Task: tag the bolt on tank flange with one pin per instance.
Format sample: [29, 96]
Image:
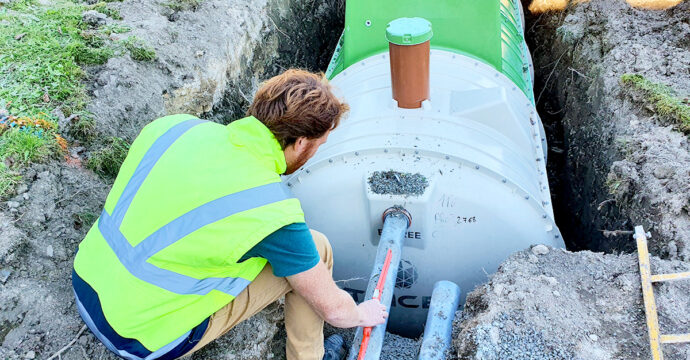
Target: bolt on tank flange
[397, 209]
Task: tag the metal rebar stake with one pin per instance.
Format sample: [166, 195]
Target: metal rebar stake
[395, 224]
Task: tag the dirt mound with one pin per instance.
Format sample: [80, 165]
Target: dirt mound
[618, 158]
[208, 60]
[564, 305]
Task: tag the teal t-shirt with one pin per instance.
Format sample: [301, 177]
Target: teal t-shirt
[290, 250]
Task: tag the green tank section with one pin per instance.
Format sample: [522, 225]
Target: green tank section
[487, 30]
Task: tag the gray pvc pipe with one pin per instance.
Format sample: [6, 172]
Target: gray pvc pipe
[439, 322]
[392, 236]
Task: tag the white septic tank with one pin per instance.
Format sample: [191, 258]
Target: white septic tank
[480, 146]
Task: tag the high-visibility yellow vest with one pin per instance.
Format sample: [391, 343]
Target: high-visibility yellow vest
[191, 198]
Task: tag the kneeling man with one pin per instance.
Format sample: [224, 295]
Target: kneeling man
[198, 234]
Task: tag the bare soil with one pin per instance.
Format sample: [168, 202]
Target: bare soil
[613, 162]
[208, 63]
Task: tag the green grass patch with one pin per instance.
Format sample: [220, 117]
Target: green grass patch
[107, 160]
[139, 50]
[661, 98]
[84, 128]
[87, 55]
[8, 179]
[41, 50]
[102, 7]
[114, 29]
[183, 5]
[24, 147]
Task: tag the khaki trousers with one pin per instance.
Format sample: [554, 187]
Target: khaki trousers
[303, 326]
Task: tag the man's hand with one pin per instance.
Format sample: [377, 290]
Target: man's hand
[371, 313]
[334, 305]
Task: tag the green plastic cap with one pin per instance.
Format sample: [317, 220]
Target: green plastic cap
[409, 31]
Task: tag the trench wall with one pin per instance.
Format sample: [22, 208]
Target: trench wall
[615, 161]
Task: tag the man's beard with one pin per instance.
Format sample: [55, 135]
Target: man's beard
[302, 159]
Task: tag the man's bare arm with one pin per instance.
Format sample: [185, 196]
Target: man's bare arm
[334, 305]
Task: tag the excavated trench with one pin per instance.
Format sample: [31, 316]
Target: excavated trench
[595, 134]
[614, 160]
[304, 36]
[582, 144]
[575, 186]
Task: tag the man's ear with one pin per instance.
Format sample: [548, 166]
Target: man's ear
[301, 144]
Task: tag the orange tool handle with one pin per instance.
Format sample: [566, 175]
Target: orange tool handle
[366, 332]
[365, 343]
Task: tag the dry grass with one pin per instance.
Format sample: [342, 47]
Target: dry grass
[654, 4]
[540, 6]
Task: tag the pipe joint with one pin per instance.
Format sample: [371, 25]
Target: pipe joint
[397, 210]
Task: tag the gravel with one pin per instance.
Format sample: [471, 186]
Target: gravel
[509, 338]
[394, 347]
[570, 305]
[397, 183]
[399, 348]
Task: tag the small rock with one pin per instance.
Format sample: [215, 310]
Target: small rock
[49, 251]
[25, 196]
[199, 53]
[663, 172]
[103, 79]
[548, 280]
[4, 275]
[22, 189]
[30, 355]
[556, 293]
[495, 335]
[13, 204]
[533, 259]
[93, 18]
[540, 250]
[593, 337]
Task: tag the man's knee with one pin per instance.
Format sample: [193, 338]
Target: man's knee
[324, 248]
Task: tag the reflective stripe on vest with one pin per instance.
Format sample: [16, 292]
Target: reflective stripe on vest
[134, 258]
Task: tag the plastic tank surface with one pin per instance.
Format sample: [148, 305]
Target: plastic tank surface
[477, 141]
